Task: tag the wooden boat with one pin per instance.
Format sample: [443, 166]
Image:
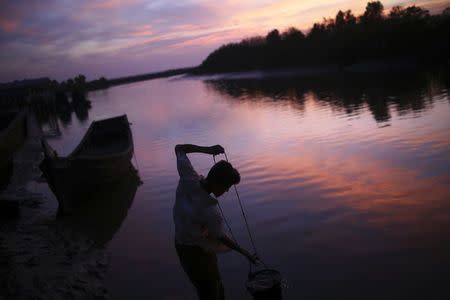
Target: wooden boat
[101, 158]
[103, 210]
[13, 132]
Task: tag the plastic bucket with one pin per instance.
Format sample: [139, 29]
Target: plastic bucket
[264, 284]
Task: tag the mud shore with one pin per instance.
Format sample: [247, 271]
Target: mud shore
[40, 256]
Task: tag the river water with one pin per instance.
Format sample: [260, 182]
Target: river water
[345, 181]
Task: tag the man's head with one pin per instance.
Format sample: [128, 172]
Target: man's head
[221, 177]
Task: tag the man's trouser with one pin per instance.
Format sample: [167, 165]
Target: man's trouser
[202, 269]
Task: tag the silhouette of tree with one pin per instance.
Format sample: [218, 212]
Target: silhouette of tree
[340, 19]
[273, 37]
[408, 34]
[349, 18]
[79, 89]
[412, 12]
[318, 30]
[373, 13]
[396, 12]
[292, 35]
[80, 80]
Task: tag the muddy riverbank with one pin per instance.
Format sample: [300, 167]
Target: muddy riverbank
[41, 257]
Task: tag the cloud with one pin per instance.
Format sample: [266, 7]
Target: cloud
[8, 25]
[107, 4]
[157, 5]
[144, 30]
[44, 31]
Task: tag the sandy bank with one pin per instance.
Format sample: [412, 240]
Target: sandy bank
[40, 257]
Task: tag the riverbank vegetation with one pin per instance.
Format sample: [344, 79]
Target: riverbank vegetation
[406, 35]
[20, 93]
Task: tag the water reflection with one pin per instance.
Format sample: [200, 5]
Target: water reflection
[102, 211]
[406, 93]
[49, 113]
[353, 199]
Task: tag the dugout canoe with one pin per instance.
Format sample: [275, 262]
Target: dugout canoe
[101, 158]
[13, 132]
[103, 210]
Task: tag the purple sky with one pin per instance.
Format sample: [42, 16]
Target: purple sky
[111, 38]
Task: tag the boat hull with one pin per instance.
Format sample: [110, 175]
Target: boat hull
[74, 178]
[12, 138]
[103, 210]
[73, 185]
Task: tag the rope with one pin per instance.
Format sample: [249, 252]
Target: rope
[226, 222]
[246, 223]
[223, 215]
[243, 214]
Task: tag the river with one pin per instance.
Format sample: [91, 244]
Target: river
[345, 181]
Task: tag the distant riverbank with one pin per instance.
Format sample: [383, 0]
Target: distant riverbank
[20, 93]
[140, 77]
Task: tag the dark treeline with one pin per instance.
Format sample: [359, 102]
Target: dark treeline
[22, 93]
[78, 87]
[404, 34]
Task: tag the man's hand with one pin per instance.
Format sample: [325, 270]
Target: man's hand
[216, 150]
[253, 258]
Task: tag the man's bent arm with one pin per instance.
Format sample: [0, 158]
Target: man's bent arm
[190, 148]
[233, 245]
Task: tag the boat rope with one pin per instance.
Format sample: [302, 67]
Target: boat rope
[136, 162]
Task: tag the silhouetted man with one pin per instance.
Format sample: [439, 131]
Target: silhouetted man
[199, 233]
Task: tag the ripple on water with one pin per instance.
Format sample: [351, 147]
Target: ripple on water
[321, 173]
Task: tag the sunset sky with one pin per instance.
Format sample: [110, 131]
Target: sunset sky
[112, 38]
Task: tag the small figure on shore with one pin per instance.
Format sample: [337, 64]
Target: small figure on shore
[199, 232]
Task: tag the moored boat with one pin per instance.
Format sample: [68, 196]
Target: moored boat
[103, 210]
[102, 157]
[13, 132]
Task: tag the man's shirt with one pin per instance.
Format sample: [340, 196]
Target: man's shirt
[195, 212]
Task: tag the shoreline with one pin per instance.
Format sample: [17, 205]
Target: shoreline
[40, 256]
[362, 68]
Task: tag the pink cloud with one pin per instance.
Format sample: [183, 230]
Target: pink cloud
[9, 25]
[109, 4]
[142, 31]
[186, 27]
[213, 39]
[128, 28]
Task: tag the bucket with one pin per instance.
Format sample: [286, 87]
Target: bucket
[264, 284]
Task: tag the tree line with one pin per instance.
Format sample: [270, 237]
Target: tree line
[404, 33]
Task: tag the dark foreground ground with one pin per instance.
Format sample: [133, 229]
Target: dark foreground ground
[40, 257]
